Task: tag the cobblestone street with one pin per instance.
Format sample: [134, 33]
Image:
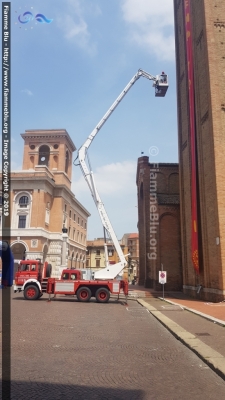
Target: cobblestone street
[71, 350]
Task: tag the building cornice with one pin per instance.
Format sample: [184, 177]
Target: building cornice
[168, 199]
[163, 165]
[41, 232]
[48, 134]
[35, 233]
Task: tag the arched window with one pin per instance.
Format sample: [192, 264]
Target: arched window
[44, 153]
[23, 201]
[21, 210]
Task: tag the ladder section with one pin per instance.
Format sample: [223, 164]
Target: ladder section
[44, 284]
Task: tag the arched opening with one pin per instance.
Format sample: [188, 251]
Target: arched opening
[19, 253]
[76, 261]
[80, 261]
[72, 257]
[44, 153]
[170, 250]
[84, 260]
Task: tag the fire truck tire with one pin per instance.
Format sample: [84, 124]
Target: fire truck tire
[83, 294]
[31, 292]
[48, 271]
[102, 295]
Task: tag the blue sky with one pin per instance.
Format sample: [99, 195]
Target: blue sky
[66, 74]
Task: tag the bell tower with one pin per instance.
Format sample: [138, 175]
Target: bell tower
[51, 151]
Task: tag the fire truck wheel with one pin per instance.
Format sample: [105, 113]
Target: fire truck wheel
[102, 295]
[31, 292]
[48, 271]
[83, 294]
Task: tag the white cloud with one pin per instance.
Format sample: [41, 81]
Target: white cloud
[111, 180]
[74, 26]
[151, 25]
[27, 91]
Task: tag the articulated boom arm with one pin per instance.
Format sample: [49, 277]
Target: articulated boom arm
[160, 82]
[83, 149]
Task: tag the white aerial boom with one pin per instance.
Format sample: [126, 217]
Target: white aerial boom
[160, 82]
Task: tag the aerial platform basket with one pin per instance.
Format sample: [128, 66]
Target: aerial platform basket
[161, 85]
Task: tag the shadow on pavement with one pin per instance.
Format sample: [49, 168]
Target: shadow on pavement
[53, 391]
[71, 299]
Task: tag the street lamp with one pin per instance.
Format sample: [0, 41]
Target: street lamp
[64, 238]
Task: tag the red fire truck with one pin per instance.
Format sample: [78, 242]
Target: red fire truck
[33, 279]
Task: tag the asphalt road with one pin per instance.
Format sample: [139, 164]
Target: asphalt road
[70, 350]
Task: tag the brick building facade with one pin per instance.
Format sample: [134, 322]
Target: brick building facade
[42, 203]
[159, 224]
[207, 20]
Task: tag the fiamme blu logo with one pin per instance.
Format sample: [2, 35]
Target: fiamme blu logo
[29, 18]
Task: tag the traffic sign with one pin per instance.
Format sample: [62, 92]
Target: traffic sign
[162, 277]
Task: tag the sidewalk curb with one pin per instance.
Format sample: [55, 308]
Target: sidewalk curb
[206, 316]
[211, 357]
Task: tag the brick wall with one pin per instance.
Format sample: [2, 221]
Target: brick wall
[208, 40]
[143, 186]
[159, 224]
